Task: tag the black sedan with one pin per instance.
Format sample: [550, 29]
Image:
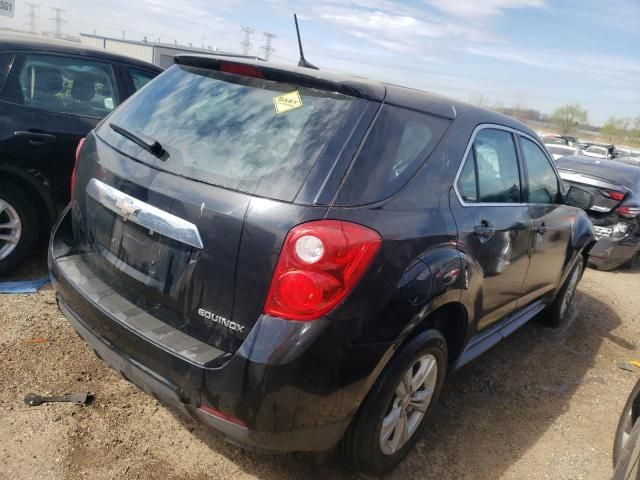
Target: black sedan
[51, 95]
[616, 211]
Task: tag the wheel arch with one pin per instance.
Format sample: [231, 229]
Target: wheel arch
[451, 320]
[43, 201]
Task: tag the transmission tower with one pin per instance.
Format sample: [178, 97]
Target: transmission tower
[267, 48]
[58, 21]
[246, 43]
[32, 25]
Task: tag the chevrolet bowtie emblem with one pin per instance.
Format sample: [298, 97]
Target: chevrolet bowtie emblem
[126, 207]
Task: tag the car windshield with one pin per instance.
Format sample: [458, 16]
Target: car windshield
[243, 133]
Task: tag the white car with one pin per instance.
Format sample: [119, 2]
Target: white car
[559, 151]
[597, 151]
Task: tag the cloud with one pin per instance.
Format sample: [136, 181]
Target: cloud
[610, 65]
[481, 8]
[395, 31]
[585, 72]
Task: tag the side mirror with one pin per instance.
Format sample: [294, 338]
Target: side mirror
[579, 197]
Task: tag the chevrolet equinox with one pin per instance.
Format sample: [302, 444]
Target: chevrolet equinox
[298, 258]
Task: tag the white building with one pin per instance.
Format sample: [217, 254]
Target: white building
[160, 54]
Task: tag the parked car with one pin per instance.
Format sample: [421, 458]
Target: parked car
[626, 447]
[296, 257]
[52, 94]
[600, 151]
[559, 151]
[552, 139]
[616, 211]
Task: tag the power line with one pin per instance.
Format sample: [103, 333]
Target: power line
[58, 21]
[32, 24]
[246, 43]
[267, 48]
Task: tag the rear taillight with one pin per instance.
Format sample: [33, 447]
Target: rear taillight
[75, 166]
[614, 195]
[319, 264]
[628, 211]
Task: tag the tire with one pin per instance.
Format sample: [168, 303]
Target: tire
[15, 210]
[633, 261]
[362, 445]
[625, 424]
[555, 314]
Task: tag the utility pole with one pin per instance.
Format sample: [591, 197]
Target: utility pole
[267, 48]
[58, 21]
[32, 25]
[246, 43]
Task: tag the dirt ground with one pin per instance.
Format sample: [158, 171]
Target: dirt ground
[541, 405]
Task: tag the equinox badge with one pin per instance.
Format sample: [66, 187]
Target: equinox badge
[221, 320]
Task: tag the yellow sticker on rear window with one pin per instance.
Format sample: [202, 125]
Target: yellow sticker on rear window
[287, 102]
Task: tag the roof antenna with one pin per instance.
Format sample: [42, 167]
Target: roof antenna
[303, 61]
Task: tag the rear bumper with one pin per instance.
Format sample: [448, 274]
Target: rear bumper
[608, 253]
[284, 384]
[167, 392]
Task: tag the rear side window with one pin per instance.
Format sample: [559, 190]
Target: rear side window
[543, 182]
[141, 77]
[490, 173]
[398, 143]
[243, 133]
[65, 85]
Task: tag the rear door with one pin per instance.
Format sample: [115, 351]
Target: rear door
[49, 102]
[552, 220]
[493, 220]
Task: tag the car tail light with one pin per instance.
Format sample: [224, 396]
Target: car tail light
[628, 211]
[75, 166]
[319, 264]
[614, 195]
[241, 69]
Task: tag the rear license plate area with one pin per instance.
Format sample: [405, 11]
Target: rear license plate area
[140, 253]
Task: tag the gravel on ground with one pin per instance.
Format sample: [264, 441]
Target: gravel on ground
[543, 404]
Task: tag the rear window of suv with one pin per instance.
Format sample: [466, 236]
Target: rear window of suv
[238, 132]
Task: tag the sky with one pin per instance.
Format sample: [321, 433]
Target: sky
[533, 53]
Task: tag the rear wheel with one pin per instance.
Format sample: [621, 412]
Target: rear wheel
[633, 261]
[555, 314]
[18, 227]
[395, 411]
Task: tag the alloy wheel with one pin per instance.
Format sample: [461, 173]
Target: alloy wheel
[625, 433]
[410, 403]
[10, 229]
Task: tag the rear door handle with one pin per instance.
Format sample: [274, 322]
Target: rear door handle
[542, 229]
[35, 138]
[484, 230]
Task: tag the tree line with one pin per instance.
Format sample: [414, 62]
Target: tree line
[622, 130]
[570, 119]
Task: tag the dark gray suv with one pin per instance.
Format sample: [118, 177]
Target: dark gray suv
[298, 258]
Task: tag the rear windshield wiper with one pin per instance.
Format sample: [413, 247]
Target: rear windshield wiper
[149, 144]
